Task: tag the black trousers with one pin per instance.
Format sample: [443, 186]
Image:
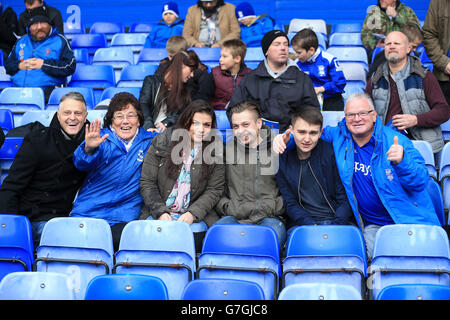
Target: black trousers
[333, 104]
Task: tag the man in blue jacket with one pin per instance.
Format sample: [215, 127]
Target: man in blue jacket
[384, 176]
[42, 58]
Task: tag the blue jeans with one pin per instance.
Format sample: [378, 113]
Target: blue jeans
[275, 224]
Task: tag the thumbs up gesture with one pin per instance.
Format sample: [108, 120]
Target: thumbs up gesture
[280, 141]
[395, 152]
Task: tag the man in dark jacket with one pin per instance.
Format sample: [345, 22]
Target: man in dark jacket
[55, 18]
[251, 194]
[43, 181]
[308, 177]
[277, 84]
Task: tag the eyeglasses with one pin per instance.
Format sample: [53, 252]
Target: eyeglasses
[361, 114]
[120, 117]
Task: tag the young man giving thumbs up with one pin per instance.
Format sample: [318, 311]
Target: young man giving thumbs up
[384, 176]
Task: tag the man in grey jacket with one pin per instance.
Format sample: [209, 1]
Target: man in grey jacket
[251, 194]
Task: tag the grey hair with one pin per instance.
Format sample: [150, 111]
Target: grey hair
[75, 96]
[360, 95]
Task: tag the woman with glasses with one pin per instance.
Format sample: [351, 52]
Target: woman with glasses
[164, 96]
[112, 158]
[183, 174]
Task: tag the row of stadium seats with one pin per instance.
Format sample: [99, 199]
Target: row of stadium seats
[333, 255]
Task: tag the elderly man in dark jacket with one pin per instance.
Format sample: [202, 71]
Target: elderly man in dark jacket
[251, 195]
[43, 181]
[277, 84]
[308, 177]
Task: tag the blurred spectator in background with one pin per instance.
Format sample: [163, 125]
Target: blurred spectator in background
[54, 16]
[8, 29]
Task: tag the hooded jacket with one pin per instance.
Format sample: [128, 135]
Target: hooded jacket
[162, 32]
[43, 181]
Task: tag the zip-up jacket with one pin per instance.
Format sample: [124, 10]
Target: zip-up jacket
[162, 32]
[322, 165]
[55, 50]
[253, 34]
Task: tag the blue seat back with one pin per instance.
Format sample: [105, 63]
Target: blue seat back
[152, 55]
[444, 174]
[107, 28]
[254, 54]
[346, 27]
[331, 118]
[6, 120]
[350, 54]
[446, 130]
[222, 289]
[58, 93]
[5, 79]
[223, 125]
[319, 291]
[134, 75]
[117, 57]
[71, 29]
[126, 287]
[354, 72]
[36, 286]
[8, 152]
[16, 242]
[81, 56]
[97, 77]
[91, 42]
[109, 93]
[141, 27]
[345, 39]
[317, 25]
[19, 100]
[207, 54]
[44, 117]
[415, 292]
[435, 192]
[426, 151]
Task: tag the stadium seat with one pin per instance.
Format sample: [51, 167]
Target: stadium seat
[375, 51]
[354, 73]
[108, 93]
[149, 247]
[81, 56]
[6, 120]
[8, 152]
[332, 118]
[16, 244]
[409, 254]
[141, 28]
[2, 63]
[319, 291]
[5, 79]
[223, 125]
[207, 54]
[446, 130]
[341, 39]
[96, 77]
[58, 93]
[70, 29]
[444, 174]
[44, 117]
[90, 42]
[107, 28]
[254, 54]
[426, 151]
[352, 87]
[79, 247]
[36, 286]
[317, 25]
[242, 252]
[126, 287]
[152, 55]
[415, 292]
[116, 57]
[350, 54]
[96, 114]
[332, 254]
[222, 289]
[134, 75]
[350, 27]
[133, 41]
[19, 100]
[435, 192]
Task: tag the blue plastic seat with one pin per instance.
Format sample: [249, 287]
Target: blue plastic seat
[19, 100]
[222, 289]
[8, 152]
[16, 244]
[141, 27]
[435, 192]
[426, 151]
[375, 52]
[223, 125]
[207, 54]
[319, 291]
[126, 287]
[409, 254]
[332, 254]
[350, 54]
[152, 55]
[107, 28]
[164, 249]
[133, 41]
[117, 57]
[36, 286]
[91, 42]
[345, 39]
[81, 56]
[346, 27]
[96, 77]
[96, 114]
[5, 79]
[58, 93]
[44, 117]
[446, 130]
[415, 292]
[354, 73]
[317, 25]
[353, 87]
[108, 93]
[79, 247]
[71, 29]
[134, 75]
[444, 174]
[331, 118]
[242, 252]
[254, 54]
[6, 120]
